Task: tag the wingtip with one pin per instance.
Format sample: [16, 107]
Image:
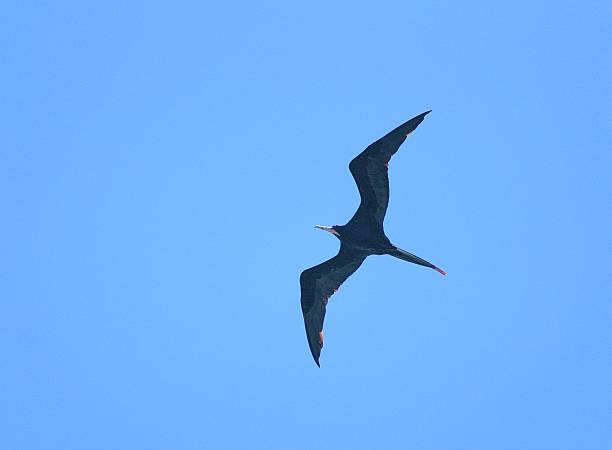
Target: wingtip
[318, 365]
[426, 112]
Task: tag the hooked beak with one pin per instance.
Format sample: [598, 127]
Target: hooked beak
[329, 229]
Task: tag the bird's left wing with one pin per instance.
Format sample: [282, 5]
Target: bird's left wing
[318, 284]
[370, 171]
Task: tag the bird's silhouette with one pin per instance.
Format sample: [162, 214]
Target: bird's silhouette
[362, 236]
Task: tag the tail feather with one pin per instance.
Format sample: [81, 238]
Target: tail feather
[407, 256]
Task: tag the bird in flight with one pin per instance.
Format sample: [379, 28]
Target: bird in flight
[362, 236]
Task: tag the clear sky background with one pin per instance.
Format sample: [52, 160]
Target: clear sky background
[161, 169]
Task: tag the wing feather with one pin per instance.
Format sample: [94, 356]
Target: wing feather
[370, 171]
[318, 284]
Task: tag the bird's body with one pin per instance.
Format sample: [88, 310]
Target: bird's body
[361, 237]
[371, 240]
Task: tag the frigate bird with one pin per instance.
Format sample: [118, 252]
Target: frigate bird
[362, 236]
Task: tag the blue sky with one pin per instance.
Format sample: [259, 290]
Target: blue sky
[161, 170]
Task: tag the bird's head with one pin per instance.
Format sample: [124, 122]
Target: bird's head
[335, 230]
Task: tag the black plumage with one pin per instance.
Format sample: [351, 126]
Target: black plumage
[362, 236]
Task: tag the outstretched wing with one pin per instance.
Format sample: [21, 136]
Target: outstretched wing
[370, 170]
[318, 284]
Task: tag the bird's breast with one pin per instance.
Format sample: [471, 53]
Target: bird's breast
[370, 241]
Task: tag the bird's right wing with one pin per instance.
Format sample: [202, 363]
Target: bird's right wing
[370, 170]
[318, 284]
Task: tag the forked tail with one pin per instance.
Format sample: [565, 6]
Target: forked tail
[407, 256]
